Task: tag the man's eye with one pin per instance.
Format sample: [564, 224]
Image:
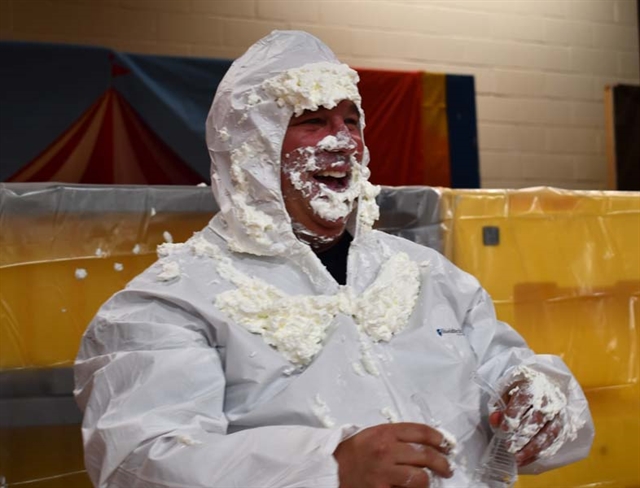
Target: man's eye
[352, 121]
[313, 121]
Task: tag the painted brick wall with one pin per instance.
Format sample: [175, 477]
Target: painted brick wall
[540, 65]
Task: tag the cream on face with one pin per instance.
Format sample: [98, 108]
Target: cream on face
[327, 179]
[321, 171]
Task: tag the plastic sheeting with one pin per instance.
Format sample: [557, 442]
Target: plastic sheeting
[48, 234]
[563, 268]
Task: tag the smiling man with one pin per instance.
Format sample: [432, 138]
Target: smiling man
[288, 344]
[320, 166]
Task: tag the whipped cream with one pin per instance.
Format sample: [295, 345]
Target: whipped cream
[333, 205]
[390, 414]
[546, 398]
[314, 85]
[322, 411]
[368, 210]
[342, 140]
[296, 325]
[386, 305]
[167, 248]
[366, 358]
[224, 135]
[255, 222]
[170, 271]
[187, 440]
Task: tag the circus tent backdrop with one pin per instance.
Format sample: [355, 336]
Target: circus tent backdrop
[91, 115]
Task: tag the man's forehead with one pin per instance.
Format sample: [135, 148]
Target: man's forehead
[346, 105]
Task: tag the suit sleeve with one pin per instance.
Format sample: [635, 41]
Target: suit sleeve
[152, 388]
[500, 349]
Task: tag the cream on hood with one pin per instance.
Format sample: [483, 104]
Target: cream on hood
[283, 74]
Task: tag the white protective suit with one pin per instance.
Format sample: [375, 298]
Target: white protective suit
[236, 360]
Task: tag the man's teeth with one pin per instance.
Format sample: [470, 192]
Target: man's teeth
[332, 174]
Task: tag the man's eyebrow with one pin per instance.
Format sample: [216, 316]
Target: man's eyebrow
[308, 112]
[353, 109]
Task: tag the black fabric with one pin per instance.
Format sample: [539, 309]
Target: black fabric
[335, 258]
[626, 99]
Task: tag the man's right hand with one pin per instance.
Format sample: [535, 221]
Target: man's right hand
[392, 455]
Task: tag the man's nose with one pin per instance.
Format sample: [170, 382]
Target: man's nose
[345, 141]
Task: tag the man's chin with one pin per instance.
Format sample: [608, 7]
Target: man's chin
[331, 227]
[321, 233]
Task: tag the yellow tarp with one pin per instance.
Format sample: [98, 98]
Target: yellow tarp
[565, 272]
[563, 268]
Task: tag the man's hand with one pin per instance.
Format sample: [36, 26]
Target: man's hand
[392, 455]
[534, 418]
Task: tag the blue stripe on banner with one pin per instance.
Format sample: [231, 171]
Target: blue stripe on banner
[44, 89]
[173, 96]
[463, 133]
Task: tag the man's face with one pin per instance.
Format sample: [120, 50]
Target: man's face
[318, 180]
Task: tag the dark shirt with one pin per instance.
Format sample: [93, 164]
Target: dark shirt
[335, 258]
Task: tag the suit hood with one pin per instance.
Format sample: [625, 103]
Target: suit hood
[283, 74]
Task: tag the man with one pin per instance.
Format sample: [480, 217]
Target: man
[239, 359]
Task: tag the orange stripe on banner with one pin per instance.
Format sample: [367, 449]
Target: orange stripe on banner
[435, 132]
[78, 160]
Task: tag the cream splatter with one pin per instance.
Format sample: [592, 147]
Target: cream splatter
[296, 325]
[387, 304]
[390, 415]
[314, 85]
[547, 399]
[187, 440]
[168, 248]
[223, 134]
[322, 412]
[170, 271]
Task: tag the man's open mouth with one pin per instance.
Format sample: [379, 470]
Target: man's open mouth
[334, 180]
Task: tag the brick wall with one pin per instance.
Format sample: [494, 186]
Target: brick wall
[540, 65]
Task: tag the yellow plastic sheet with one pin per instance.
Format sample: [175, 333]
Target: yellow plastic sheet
[44, 456]
[563, 268]
[47, 233]
[50, 235]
